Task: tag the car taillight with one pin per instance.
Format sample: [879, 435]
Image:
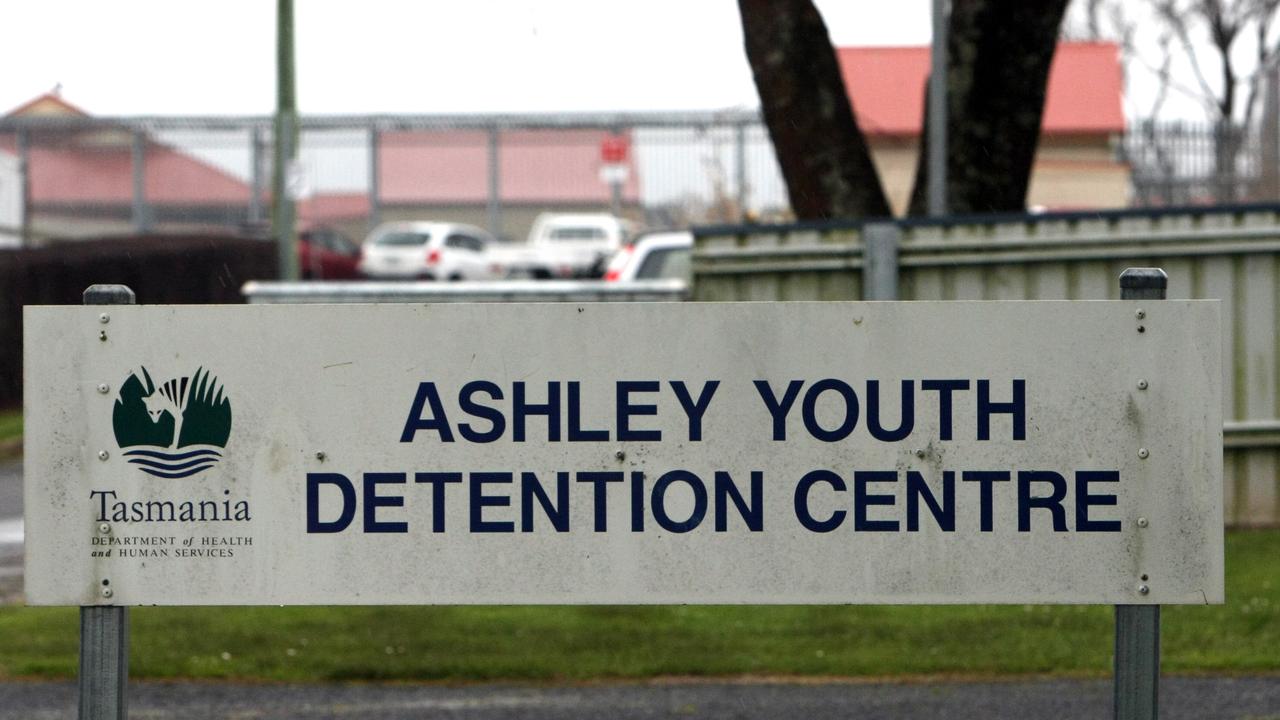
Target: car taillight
[433, 257]
[619, 263]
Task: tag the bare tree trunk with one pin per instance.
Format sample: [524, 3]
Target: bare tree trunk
[1000, 53]
[823, 154]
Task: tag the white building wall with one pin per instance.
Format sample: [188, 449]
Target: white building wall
[10, 201]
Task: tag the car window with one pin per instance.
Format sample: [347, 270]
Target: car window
[326, 239]
[453, 241]
[403, 239]
[577, 233]
[463, 242]
[666, 263]
[339, 243]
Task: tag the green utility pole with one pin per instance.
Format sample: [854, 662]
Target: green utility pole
[286, 151]
[937, 157]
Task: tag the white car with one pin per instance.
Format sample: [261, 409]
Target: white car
[653, 256]
[426, 251]
[566, 246]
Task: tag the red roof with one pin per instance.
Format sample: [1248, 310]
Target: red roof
[887, 84]
[535, 166]
[94, 176]
[96, 167]
[50, 103]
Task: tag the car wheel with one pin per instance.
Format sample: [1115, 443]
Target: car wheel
[455, 277]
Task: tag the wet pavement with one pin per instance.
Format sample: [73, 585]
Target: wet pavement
[1201, 698]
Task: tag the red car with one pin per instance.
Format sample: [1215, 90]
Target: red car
[327, 254]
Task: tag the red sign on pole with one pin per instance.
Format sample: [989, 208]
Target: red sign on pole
[613, 150]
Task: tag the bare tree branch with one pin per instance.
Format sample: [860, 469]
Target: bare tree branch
[1092, 15]
[1167, 81]
[1171, 13]
[1163, 73]
[1266, 56]
[1125, 29]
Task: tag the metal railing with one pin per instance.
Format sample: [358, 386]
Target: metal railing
[270, 292]
[1181, 163]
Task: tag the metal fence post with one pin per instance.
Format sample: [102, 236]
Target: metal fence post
[880, 261]
[615, 183]
[740, 157]
[1137, 653]
[104, 629]
[938, 110]
[257, 185]
[24, 179]
[375, 170]
[141, 219]
[494, 213]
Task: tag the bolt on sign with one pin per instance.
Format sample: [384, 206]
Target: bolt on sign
[1009, 452]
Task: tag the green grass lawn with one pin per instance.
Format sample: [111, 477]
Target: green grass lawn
[10, 424]
[541, 643]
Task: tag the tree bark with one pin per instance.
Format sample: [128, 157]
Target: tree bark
[823, 154]
[1000, 54]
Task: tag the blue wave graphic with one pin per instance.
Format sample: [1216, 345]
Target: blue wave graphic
[172, 456]
[185, 473]
[171, 467]
[158, 463]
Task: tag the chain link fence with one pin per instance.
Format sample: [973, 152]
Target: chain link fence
[90, 177]
[95, 176]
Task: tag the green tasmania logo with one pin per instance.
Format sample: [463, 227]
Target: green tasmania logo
[175, 429]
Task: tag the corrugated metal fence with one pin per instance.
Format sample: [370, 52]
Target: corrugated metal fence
[1229, 254]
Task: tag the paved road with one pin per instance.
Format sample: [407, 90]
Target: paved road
[10, 530]
[1182, 698]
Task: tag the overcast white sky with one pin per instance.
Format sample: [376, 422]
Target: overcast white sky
[131, 57]
[170, 57]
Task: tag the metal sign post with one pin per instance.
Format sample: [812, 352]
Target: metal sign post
[880, 261]
[1137, 657]
[104, 630]
[614, 170]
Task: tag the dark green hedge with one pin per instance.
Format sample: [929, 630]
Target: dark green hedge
[160, 269]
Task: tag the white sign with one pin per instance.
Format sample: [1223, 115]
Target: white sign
[297, 181]
[611, 174]
[612, 453]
